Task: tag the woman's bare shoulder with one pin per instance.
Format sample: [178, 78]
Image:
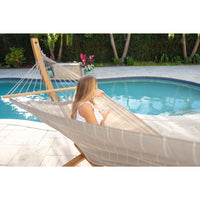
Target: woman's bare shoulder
[86, 111]
[85, 107]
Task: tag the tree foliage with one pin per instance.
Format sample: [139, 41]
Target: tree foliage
[143, 47]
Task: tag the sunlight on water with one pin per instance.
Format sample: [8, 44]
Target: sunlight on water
[153, 96]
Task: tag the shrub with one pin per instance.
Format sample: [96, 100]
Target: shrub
[177, 59]
[156, 59]
[188, 60]
[129, 60]
[15, 58]
[196, 58]
[164, 58]
[117, 61]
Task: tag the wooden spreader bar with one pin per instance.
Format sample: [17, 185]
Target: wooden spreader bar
[39, 92]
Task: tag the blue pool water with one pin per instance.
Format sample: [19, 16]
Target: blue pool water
[142, 96]
[10, 111]
[154, 96]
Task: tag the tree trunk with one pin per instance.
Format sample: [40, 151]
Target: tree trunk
[61, 47]
[113, 46]
[184, 47]
[195, 47]
[52, 54]
[126, 46]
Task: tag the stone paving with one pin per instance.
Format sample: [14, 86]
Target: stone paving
[186, 72]
[27, 143]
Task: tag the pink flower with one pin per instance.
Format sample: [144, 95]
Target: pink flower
[84, 60]
[82, 56]
[87, 61]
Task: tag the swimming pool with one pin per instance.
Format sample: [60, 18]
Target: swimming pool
[151, 96]
[154, 96]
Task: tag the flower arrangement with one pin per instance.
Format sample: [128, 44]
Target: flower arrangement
[87, 62]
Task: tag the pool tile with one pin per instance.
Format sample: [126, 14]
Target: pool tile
[54, 134]
[1, 139]
[5, 132]
[62, 147]
[56, 161]
[46, 141]
[7, 153]
[29, 156]
[3, 126]
[50, 161]
[25, 137]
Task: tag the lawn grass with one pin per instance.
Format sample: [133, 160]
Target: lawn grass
[111, 64]
[138, 63]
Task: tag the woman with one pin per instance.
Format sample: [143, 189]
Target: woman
[83, 106]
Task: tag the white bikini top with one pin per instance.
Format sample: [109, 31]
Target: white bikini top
[97, 114]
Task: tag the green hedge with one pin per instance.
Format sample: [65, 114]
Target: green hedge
[143, 47]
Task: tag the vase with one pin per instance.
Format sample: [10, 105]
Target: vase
[88, 72]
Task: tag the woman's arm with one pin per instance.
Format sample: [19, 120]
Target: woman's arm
[100, 93]
[86, 111]
[105, 116]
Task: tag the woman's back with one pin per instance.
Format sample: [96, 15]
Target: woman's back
[86, 109]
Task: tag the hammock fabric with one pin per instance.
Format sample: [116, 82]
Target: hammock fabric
[108, 146]
[125, 140]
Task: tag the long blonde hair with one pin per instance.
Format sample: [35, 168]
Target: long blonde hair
[84, 92]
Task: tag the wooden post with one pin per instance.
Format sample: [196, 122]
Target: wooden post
[75, 161]
[43, 72]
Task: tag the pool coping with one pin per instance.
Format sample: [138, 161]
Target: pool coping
[125, 78]
[151, 77]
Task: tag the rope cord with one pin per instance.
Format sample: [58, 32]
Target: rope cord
[13, 89]
[32, 72]
[35, 83]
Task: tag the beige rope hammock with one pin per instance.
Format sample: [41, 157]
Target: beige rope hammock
[125, 140]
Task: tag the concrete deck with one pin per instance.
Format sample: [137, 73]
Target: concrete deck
[27, 143]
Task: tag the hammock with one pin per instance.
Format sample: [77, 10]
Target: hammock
[125, 140]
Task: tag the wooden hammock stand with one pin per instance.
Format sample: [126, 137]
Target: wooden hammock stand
[52, 94]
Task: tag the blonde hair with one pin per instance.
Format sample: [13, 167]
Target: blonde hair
[84, 92]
